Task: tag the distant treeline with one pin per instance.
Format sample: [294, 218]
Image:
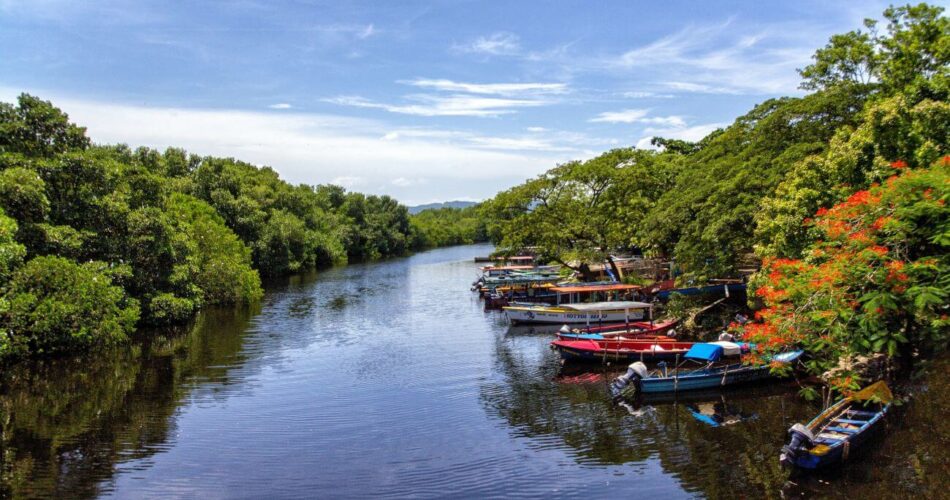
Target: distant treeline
[98, 239]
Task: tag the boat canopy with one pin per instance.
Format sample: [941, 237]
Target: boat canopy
[614, 287]
[877, 391]
[705, 352]
[606, 306]
[508, 268]
[729, 348]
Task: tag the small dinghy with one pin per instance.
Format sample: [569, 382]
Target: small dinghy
[835, 433]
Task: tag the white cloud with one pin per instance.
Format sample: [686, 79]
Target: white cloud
[667, 121]
[469, 99]
[451, 105]
[550, 142]
[500, 43]
[700, 88]
[646, 95]
[536, 129]
[347, 181]
[625, 116]
[503, 89]
[280, 105]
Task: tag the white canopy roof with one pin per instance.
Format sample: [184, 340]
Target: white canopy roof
[607, 306]
[729, 348]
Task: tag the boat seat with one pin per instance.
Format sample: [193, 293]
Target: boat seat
[860, 413]
[833, 436]
[827, 440]
[848, 421]
[843, 429]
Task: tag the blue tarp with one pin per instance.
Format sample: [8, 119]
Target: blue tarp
[705, 352]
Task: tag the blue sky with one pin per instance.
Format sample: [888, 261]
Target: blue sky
[425, 101]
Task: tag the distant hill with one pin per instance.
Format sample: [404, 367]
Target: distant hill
[448, 204]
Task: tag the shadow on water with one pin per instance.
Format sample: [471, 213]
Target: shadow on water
[66, 422]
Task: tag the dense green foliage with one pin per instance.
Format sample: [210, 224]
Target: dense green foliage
[54, 305]
[447, 226]
[162, 233]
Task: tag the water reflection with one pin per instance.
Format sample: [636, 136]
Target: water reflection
[67, 422]
[557, 407]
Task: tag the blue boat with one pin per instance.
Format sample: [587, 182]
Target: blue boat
[638, 380]
[836, 432]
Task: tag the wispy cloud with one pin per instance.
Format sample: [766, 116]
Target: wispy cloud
[645, 95]
[500, 43]
[468, 99]
[504, 89]
[700, 88]
[450, 105]
[625, 116]
[280, 105]
[719, 58]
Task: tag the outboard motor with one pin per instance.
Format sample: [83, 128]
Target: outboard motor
[802, 439]
[565, 329]
[635, 372]
[726, 337]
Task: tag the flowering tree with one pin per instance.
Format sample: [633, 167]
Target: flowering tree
[875, 280]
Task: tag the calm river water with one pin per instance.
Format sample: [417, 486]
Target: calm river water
[388, 379]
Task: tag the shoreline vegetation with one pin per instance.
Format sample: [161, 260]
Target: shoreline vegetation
[840, 194]
[98, 240]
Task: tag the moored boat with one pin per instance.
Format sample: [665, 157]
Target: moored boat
[593, 312]
[639, 380]
[620, 350]
[835, 433]
[632, 330]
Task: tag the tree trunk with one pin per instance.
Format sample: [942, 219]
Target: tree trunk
[614, 268]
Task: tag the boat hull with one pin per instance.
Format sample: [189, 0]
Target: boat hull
[591, 351]
[707, 379]
[552, 315]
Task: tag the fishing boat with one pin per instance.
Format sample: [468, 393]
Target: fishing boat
[570, 308]
[633, 330]
[835, 433]
[708, 374]
[592, 312]
[600, 351]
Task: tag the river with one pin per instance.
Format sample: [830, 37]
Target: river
[388, 379]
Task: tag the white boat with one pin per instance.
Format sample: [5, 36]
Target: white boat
[590, 312]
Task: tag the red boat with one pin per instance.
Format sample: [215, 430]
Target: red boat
[619, 350]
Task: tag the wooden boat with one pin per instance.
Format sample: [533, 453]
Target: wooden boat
[835, 433]
[633, 330]
[594, 312]
[709, 374]
[620, 350]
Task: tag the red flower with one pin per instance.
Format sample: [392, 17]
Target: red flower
[899, 164]
[821, 211]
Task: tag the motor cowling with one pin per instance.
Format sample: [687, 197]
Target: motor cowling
[801, 440]
[635, 372]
